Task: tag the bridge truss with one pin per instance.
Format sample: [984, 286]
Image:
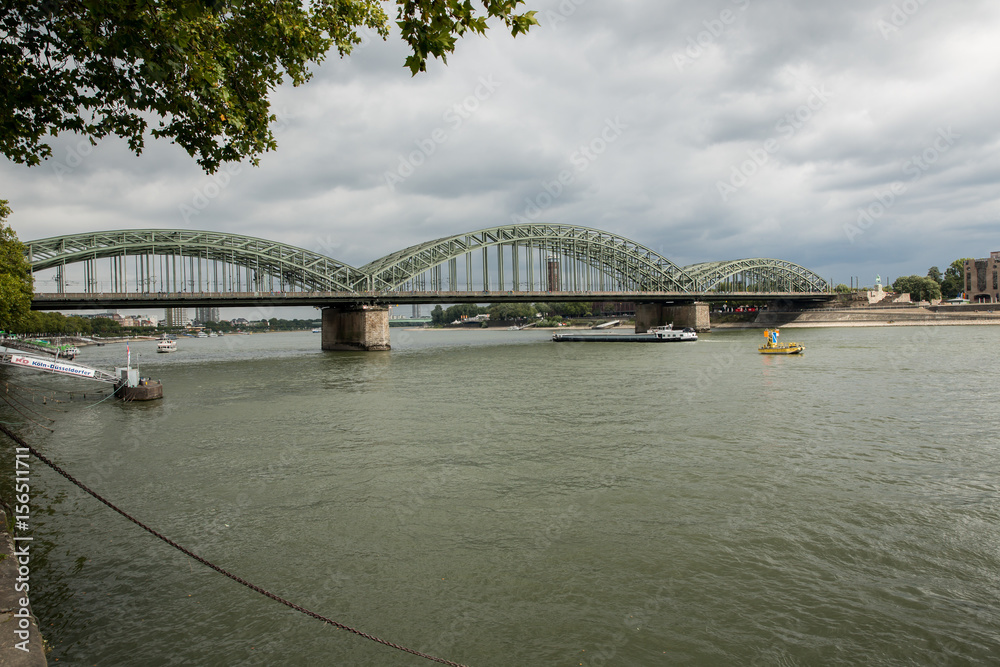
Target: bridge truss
[170, 260]
[754, 275]
[516, 258]
[527, 257]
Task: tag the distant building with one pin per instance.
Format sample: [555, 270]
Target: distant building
[176, 317]
[207, 315]
[139, 321]
[981, 284]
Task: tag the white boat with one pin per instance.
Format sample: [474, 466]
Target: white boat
[317, 331]
[202, 334]
[68, 352]
[669, 334]
[166, 346]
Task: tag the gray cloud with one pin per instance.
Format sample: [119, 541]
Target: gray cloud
[808, 112]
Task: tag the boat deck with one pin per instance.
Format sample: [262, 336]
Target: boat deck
[606, 338]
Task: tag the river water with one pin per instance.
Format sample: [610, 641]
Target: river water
[494, 498]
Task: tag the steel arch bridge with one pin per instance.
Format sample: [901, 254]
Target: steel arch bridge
[754, 275]
[182, 258]
[577, 258]
[519, 258]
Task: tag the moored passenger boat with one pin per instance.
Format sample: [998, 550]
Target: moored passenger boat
[68, 352]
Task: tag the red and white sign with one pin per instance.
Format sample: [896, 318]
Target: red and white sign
[53, 366]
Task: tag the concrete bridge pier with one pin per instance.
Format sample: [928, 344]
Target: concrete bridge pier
[694, 315]
[348, 327]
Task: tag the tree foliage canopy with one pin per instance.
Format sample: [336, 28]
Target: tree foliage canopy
[200, 69]
[954, 279]
[511, 311]
[16, 286]
[39, 323]
[568, 308]
[920, 288]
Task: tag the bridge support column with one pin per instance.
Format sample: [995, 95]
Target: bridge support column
[362, 328]
[650, 315]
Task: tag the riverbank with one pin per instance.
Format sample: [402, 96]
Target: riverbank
[853, 317]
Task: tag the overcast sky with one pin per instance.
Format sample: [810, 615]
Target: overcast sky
[855, 138]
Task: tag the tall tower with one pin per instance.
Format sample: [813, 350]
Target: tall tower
[176, 317]
[207, 315]
[553, 274]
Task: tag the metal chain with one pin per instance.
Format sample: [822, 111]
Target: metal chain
[41, 457]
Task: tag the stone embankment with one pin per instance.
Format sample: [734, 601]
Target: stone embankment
[869, 317]
[20, 638]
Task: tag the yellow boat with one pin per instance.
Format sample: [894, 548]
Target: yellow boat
[772, 346]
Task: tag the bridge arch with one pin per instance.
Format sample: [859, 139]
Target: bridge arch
[754, 275]
[147, 259]
[520, 257]
[565, 257]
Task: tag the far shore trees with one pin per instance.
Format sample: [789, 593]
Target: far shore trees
[920, 288]
[511, 311]
[953, 283]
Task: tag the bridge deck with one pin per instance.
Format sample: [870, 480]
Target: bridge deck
[90, 301]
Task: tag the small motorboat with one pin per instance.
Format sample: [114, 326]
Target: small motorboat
[772, 346]
[68, 352]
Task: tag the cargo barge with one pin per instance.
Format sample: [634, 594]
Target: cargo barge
[665, 334]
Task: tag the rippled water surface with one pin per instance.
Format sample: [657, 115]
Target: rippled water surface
[498, 499]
